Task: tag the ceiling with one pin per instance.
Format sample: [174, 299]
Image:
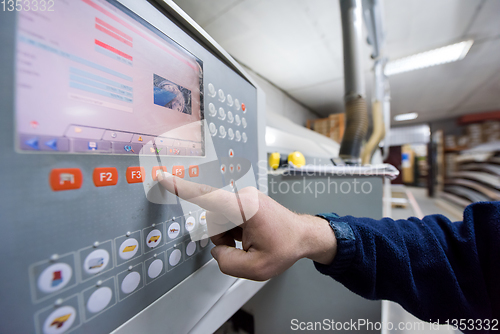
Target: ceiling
[297, 45]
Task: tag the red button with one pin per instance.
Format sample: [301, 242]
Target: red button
[178, 171]
[155, 169]
[223, 169]
[65, 179]
[231, 168]
[194, 171]
[135, 174]
[231, 153]
[243, 107]
[105, 176]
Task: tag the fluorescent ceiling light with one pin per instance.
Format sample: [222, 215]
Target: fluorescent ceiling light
[445, 54]
[405, 117]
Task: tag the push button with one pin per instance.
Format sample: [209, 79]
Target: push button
[243, 107]
[105, 176]
[60, 320]
[231, 153]
[223, 169]
[55, 277]
[178, 171]
[135, 174]
[194, 171]
[65, 179]
[231, 168]
[155, 171]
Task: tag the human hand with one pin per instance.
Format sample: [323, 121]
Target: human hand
[273, 237]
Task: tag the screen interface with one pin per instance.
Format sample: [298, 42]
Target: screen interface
[91, 78]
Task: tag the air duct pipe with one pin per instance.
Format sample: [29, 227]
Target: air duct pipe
[378, 132]
[354, 99]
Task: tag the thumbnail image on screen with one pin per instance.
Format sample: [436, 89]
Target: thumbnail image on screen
[96, 78]
[171, 95]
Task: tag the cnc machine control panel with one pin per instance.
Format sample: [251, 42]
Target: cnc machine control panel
[87, 88]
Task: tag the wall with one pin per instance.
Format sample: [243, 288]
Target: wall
[279, 102]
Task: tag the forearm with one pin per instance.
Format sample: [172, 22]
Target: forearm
[430, 266]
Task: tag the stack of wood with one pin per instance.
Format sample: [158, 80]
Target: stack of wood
[332, 127]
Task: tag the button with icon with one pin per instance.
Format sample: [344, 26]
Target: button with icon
[128, 248]
[135, 174]
[55, 277]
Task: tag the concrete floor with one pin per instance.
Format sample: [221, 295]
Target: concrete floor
[391, 311]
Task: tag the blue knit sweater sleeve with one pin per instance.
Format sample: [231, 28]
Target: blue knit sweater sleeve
[436, 269]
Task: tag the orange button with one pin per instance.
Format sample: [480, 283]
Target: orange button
[155, 171]
[65, 179]
[105, 176]
[178, 171]
[243, 107]
[135, 174]
[194, 171]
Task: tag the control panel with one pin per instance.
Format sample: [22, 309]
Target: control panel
[95, 99]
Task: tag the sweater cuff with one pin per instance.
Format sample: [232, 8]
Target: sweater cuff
[346, 246]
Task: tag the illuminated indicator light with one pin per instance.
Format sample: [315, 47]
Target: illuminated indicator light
[243, 107]
[34, 124]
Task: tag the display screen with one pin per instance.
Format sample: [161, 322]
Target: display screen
[92, 78]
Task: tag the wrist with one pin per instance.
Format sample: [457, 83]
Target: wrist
[320, 243]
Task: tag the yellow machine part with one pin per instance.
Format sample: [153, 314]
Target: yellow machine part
[297, 159]
[274, 160]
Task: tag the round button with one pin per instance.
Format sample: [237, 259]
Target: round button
[128, 248]
[222, 97]
[212, 111]
[213, 129]
[203, 218]
[238, 168]
[55, 277]
[99, 299]
[204, 241]
[230, 134]
[231, 168]
[222, 114]
[229, 100]
[237, 120]
[60, 320]
[244, 108]
[244, 122]
[96, 261]
[237, 104]
[190, 223]
[238, 135]
[155, 268]
[153, 239]
[174, 257]
[222, 131]
[173, 230]
[223, 169]
[230, 117]
[190, 248]
[211, 90]
[231, 153]
[231, 183]
[131, 282]
[244, 137]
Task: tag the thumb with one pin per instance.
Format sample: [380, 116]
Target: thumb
[237, 262]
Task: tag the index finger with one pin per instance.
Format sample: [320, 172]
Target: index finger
[203, 195]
